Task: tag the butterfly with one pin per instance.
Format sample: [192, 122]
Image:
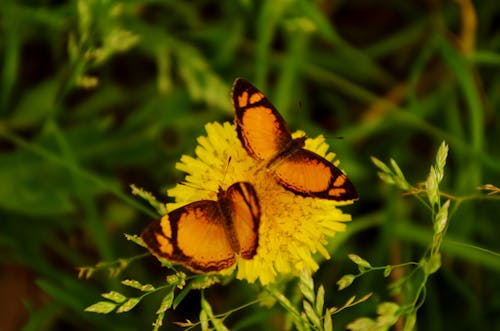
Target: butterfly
[266, 137]
[206, 235]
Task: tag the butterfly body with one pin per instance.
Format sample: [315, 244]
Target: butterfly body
[266, 137]
[207, 235]
[288, 150]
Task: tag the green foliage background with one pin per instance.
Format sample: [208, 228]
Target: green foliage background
[97, 95]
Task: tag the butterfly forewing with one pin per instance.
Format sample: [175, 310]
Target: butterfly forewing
[260, 127]
[246, 217]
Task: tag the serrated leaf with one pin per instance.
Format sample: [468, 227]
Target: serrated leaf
[128, 305]
[137, 285]
[179, 279]
[345, 281]
[114, 296]
[200, 283]
[166, 303]
[101, 307]
[131, 283]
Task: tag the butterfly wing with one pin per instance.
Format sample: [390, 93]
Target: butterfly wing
[193, 235]
[261, 129]
[245, 215]
[306, 173]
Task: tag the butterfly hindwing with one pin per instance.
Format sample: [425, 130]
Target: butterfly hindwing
[308, 174]
[265, 135]
[260, 127]
[206, 235]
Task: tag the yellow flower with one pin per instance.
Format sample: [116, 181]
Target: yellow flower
[292, 228]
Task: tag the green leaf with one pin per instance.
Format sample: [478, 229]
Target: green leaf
[433, 264]
[363, 324]
[204, 320]
[217, 323]
[128, 305]
[327, 322]
[306, 285]
[200, 283]
[158, 322]
[432, 186]
[362, 263]
[381, 165]
[166, 303]
[387, 271]
[135, 239]
[101, 307]
[345, 281]
[410, 321]
[391, 176]
[441, 218]
[137, 285]
[179, 279]
[320, 299]
[386, 178]
[150, 198]
[182, 294]
[311, 314]
[441, 156]
[114, 296]
[399, 177]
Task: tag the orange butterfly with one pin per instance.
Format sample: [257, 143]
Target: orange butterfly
[265, 136]
[206, 235]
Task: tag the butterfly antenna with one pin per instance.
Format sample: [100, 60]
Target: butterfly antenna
[226, 169]
[196, 187]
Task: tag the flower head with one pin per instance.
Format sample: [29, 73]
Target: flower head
[292, 228]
